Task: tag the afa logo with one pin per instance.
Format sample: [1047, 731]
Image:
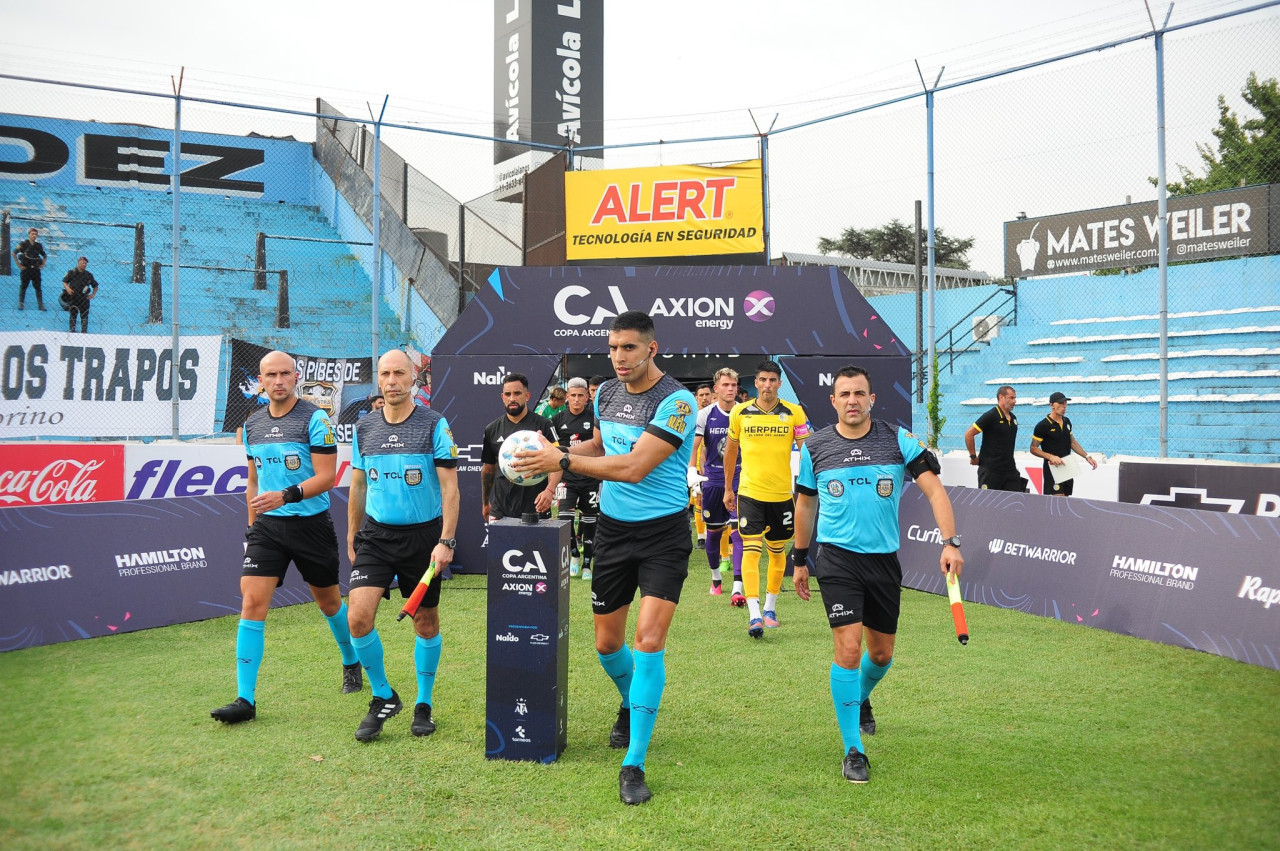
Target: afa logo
[413, 476]
[884, 487]
[292, 462]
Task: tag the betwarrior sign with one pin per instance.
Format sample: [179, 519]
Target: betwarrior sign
[1231, 223]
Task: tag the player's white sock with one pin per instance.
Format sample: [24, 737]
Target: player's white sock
[753, 608]
[737, 586]
[770, 602]
[715, 575]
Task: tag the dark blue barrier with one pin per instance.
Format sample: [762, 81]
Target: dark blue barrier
[100, 568]
[1203, 580]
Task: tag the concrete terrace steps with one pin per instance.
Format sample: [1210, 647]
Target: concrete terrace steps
[1224, 362]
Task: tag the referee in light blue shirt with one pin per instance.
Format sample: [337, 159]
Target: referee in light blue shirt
[641, 449]
[402, 516]
[854, 471]
[292, 456]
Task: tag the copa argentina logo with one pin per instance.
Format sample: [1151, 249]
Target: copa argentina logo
[576, 305]
[517, 561]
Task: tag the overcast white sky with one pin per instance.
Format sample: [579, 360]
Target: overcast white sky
[673, 69]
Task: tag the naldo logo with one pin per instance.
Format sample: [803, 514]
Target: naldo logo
[489, 378]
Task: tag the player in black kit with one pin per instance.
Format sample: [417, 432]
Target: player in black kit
[574, 425]
[502, 498]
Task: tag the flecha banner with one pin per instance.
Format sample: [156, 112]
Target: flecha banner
[106, 385]
[338, 386]
[1196, 579]
[664, 212]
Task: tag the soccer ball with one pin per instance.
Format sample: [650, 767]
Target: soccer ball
[516, 442]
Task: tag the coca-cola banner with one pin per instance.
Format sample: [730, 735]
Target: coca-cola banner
[106, 385]
[1196, 579]
[95, 569]
[58, 473]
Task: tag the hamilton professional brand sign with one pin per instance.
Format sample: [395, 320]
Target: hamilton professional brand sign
[1182, 577]
[105, 385]
[665, 211]
[548, 81]
[1231, 223]
[85, 570]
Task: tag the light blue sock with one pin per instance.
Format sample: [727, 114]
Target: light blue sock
[872, 673]
[250, 641]
[620, 668]
[646, 697]
[426, 658]
[846, 697]
[338, 626]
[369, 649]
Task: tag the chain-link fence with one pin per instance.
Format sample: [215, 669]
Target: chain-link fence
[277, 233]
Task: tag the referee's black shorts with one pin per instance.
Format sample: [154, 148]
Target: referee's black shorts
[309, 542]
[861, 588]
[387, 553]
[652, 555]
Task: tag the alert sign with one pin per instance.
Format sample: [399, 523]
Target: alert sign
[666, 211]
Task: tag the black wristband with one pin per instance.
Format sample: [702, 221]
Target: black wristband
[799, 556]
[293, 493]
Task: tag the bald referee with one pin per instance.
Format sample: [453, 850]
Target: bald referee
[402, 514]
[292, 458]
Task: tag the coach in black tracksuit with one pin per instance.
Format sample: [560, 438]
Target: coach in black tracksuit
[81, 288]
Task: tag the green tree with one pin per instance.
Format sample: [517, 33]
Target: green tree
[934, 405]
[1248, 151]
[896, 243]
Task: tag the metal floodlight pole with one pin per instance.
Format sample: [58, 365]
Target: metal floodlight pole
[377, 228]
[175, 186]
[929, 202]
[1162, 219]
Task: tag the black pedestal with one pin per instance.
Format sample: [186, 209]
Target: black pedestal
[527, 679]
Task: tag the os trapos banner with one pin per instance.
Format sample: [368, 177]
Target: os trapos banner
[105, 385]
[666, 211]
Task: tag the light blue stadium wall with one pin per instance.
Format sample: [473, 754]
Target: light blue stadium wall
[1224, 406]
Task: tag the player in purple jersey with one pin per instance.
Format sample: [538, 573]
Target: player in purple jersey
[712, 428]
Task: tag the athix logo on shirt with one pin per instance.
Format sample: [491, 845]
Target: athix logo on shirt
[393, 442]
